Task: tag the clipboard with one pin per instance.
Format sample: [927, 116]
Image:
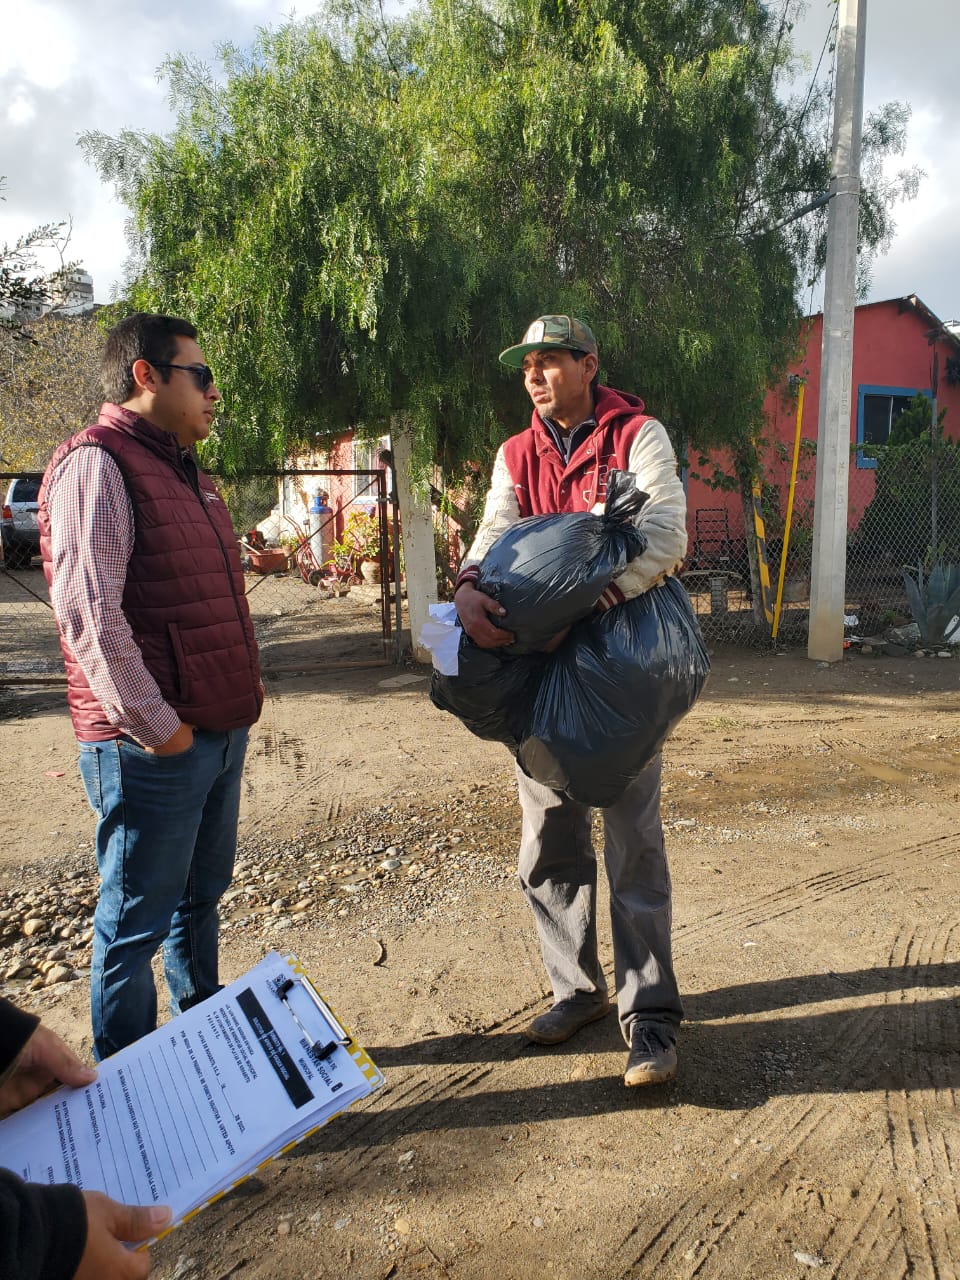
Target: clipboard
[195, 1107]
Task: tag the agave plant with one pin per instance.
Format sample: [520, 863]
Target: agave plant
[935, 602]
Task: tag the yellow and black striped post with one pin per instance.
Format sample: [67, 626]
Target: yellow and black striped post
[788, 518]
[762, 567]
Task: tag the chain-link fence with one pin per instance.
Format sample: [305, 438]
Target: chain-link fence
[903, 546]
[739, 592]
[320, 583]
[312, 608]
[903, 553]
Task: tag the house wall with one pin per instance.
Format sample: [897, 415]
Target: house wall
[890, 350]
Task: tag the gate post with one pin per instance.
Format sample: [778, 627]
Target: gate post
[416, 526]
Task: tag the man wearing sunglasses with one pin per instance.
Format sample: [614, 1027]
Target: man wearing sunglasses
[163, 676]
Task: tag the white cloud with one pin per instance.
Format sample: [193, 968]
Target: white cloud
[41, 40]
[934, 148]
[20, 111]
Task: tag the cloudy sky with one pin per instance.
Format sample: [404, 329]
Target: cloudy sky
[71, 65]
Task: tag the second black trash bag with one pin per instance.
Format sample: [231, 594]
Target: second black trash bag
[491, 693]
[548, 571]
[612, 694]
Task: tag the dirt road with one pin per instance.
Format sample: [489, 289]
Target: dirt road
[813, 1128]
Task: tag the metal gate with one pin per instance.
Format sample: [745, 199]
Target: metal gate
[301, 625]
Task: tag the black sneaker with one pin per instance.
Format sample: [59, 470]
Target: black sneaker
[564, 1020]
[653, 1058]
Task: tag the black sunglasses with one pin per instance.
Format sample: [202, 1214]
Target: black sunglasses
[202, 372]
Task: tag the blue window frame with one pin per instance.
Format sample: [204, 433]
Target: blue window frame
[877, 410]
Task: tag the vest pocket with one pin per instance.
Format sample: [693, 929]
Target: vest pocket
[180, 661]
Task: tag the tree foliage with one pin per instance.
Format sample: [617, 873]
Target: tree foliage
[49, 387]
[359, 214]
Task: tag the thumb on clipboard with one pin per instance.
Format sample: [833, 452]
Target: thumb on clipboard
[111, 1227]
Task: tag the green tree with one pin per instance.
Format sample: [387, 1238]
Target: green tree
[49, 387]
[24, 288]
[359, 214]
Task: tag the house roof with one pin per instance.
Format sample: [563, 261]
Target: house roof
[948, 330]
[938, 329]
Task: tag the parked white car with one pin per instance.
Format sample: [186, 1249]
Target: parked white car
[19, 533]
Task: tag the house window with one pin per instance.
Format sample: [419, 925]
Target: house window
[366, 457]
[878, 408]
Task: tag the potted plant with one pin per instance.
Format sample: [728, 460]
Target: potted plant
[361, 542]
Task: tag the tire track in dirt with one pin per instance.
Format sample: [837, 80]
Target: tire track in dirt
[681, 1241]
[774, 905]
[757, 1150]
[812, 890]
[760, 1146]
[889, 1220]
[768, 1139]
[895, 1232]
[923, 1157]
[409, 1104]
[280, 764]
[868, 1238]
[361, 1135]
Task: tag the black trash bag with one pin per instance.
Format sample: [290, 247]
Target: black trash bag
[549, 571]
[613, 692]
[492, 694]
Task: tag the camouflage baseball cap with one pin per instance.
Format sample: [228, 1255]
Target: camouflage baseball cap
[566, 332]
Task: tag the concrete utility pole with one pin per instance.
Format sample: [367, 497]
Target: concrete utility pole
[829, 569]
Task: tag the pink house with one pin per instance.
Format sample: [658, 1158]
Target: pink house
[900, 348]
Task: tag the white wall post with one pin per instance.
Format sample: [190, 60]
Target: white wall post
[419, 556]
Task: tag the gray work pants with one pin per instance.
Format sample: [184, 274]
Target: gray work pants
[558, 872]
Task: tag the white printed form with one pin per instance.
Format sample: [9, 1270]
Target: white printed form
[191, 1108]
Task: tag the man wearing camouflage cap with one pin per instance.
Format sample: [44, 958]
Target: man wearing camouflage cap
[581, 430]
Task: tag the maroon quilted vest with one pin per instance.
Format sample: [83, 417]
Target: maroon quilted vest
[184, 594]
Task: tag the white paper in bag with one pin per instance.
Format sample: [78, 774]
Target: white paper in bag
[442, 637]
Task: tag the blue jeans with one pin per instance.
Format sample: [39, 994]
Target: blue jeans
[166, 840]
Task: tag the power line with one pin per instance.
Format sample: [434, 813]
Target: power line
[831, 29]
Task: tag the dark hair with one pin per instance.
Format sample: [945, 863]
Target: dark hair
[142, 336]
[578, 356]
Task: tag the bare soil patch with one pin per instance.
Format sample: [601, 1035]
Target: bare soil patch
[813, 1128]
